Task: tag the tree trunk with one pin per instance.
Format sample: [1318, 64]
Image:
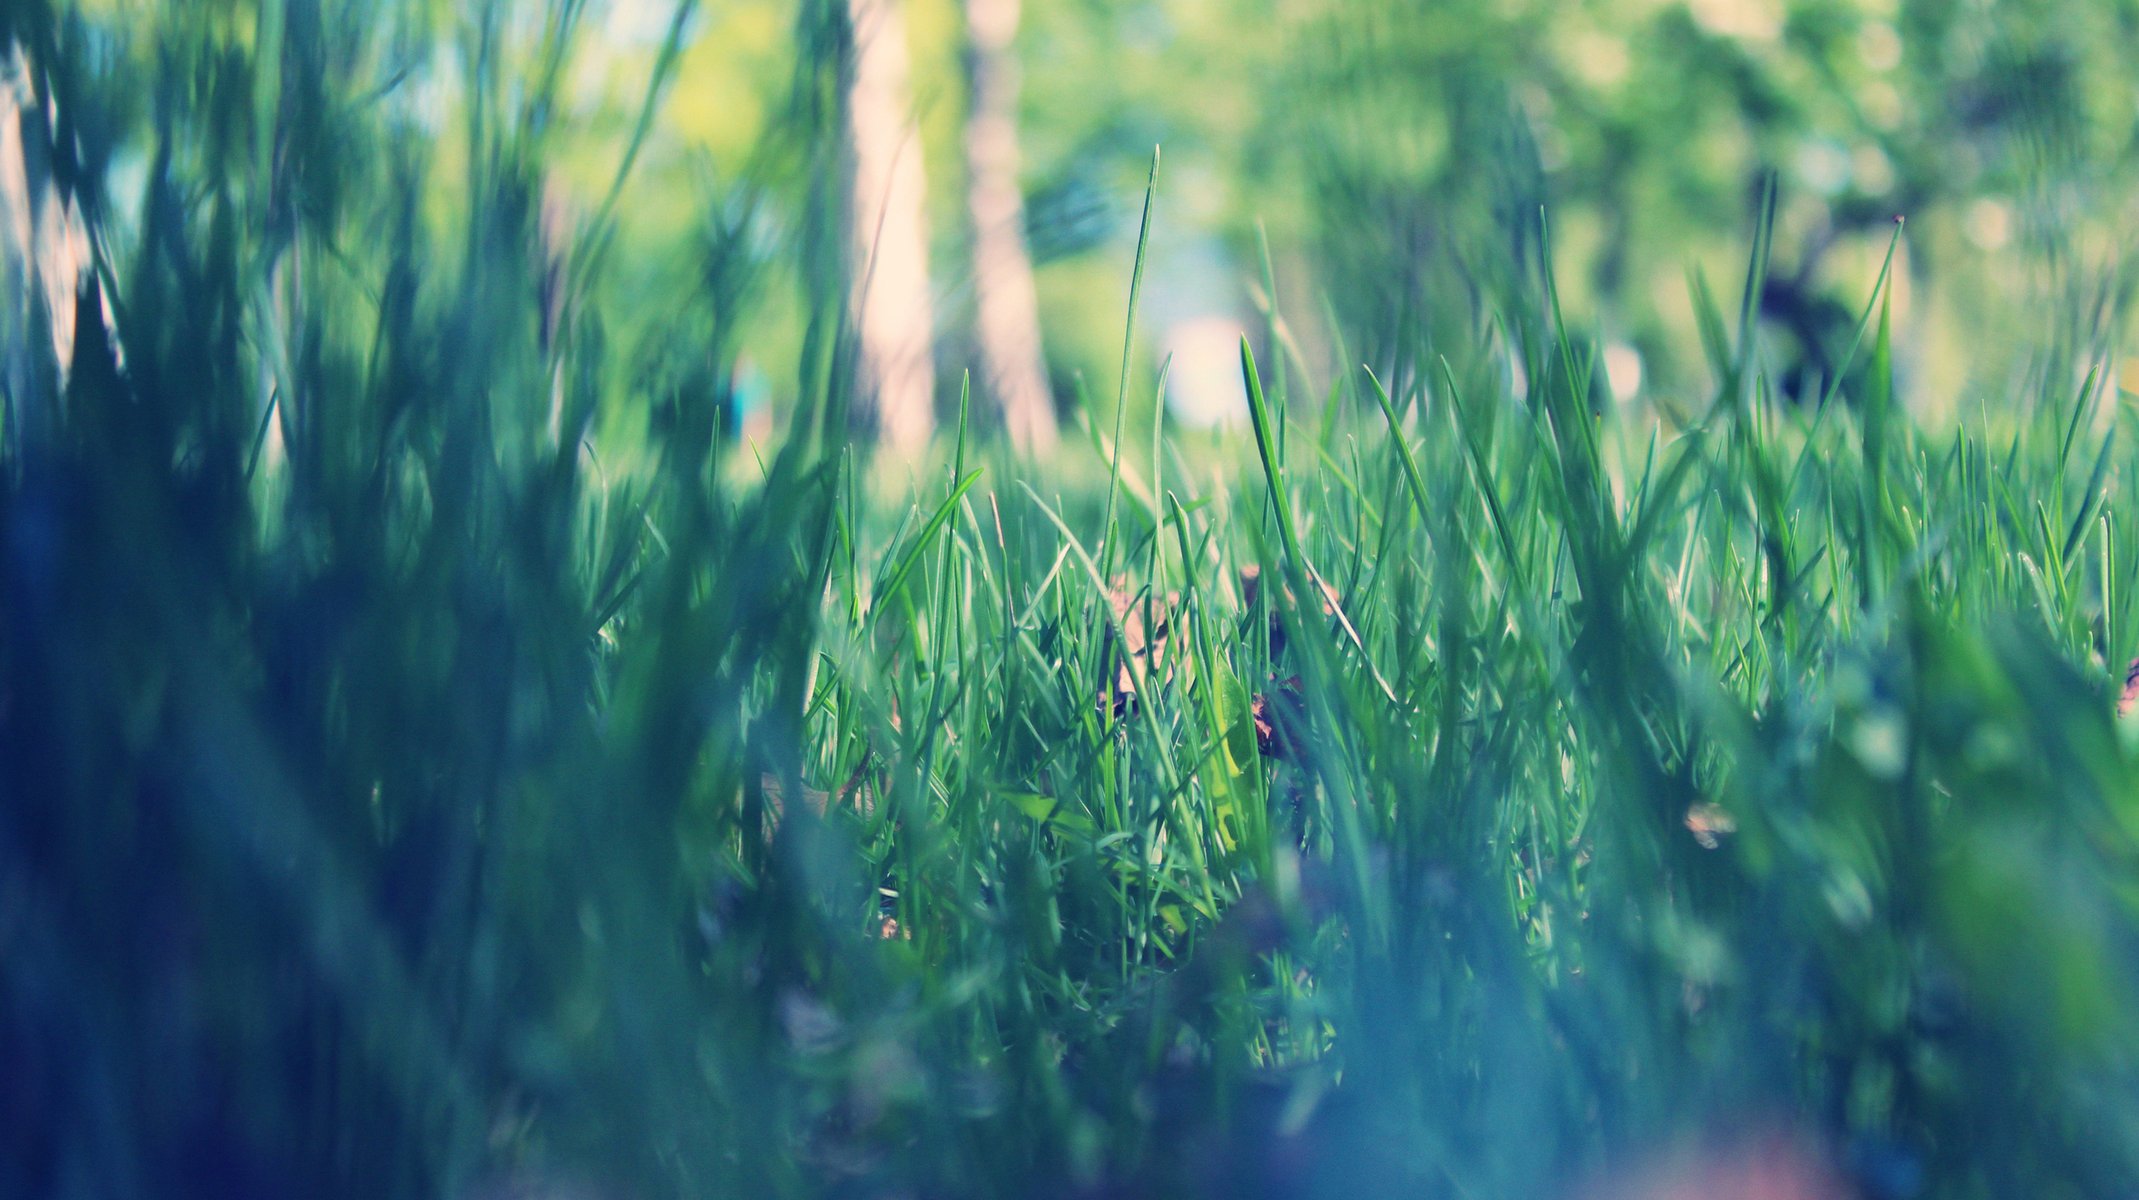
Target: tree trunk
[44, 253]
[1006, 325]
[888, 236]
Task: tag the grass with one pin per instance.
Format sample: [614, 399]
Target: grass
[400, 802]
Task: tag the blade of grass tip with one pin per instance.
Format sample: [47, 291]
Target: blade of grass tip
[1864, 319]
[1715, 340]
[1640, 494]
[259, 440]
[1482, 470]
[958, 449]
[2050, 545]
[919, 546]
[1012, 576]
[1158, 514]
[1336, 338]
[1577, 380]
[2080, 405]
[1756, 279]
[1275, 330]
[1273, 466]
[1191, 592]
[2112, 618]
[1128, 343]
[943, 578]
[1878, 403]
[1410, 462]
[846, 516]
[2093, 498]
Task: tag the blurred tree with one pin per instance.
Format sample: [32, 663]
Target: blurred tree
[1425, 143]
[887, 224]
[44, 255]
[1006, 318]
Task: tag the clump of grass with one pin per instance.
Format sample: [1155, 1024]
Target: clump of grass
[399, 802]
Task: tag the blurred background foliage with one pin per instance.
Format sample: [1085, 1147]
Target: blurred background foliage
[476, 722]
[1352, 137]
[1361, 136]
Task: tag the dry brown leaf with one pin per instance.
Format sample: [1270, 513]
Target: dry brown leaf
[1281, 720]
[854, 792]
[1709, 825]
[1251, 581]
[1146, 627]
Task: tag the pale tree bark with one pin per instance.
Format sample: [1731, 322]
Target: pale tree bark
[887, 224]
[44, 253]
[1006, 321]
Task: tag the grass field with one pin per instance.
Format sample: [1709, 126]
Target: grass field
[1454, 786]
